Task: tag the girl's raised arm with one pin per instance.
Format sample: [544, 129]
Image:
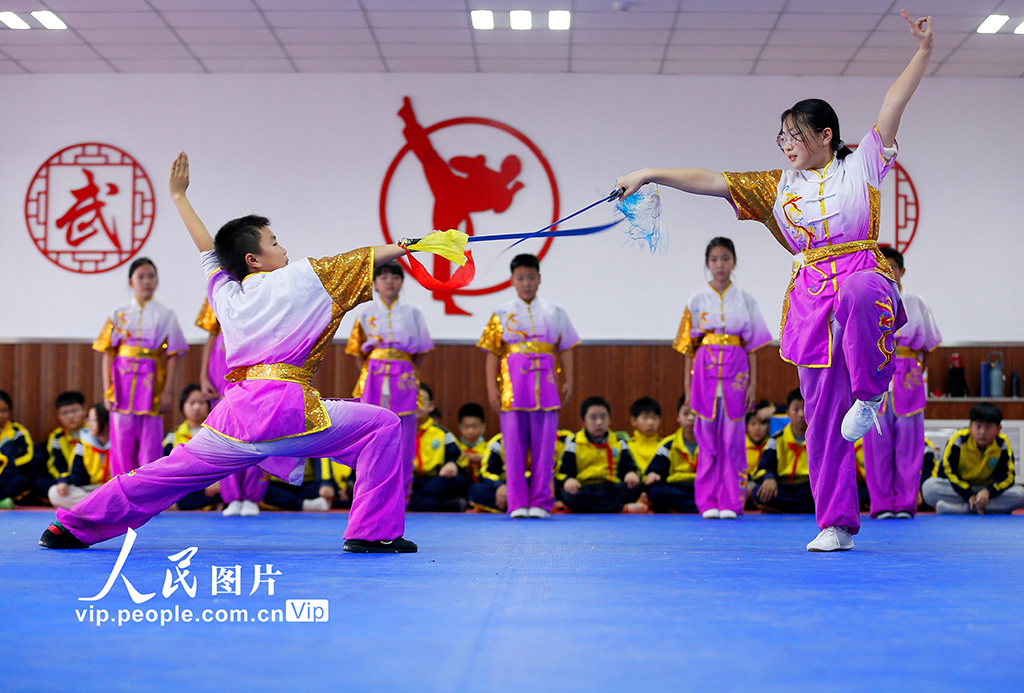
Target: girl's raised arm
[903, 88]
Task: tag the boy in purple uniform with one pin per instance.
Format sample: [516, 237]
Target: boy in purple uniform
[278, 325]
[523, 337]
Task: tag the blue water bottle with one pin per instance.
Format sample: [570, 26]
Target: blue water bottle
[995, 374]
[986, 381]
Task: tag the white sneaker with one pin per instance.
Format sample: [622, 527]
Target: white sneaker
[727, 514]
[945, 507]
[711, 514]
[859, 418]
[519, 513]
[832, 539]
[904, 515]
[250, 509]
[316, 505]
[234, 509]
[539, 513]
[885, 515]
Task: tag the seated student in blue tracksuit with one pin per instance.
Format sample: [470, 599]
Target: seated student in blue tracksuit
[598, 471]
[440, 477]
[670, 475]
[785, 485]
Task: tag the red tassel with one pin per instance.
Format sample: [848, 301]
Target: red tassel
[460, 278]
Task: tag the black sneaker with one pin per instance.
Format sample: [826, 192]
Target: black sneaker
[398, 545]
[455, 505]
[56, 536]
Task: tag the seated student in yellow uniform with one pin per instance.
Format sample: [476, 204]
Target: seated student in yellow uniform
[316, 493]
[976, 474]
[15, 457]
[645, 419]
[471, 441]
[489, 493]
[599, 473]
[54, 461]
[785, 485]
[194, 406]
[90, 467]
[929, 468]
[439, 475]
[674, 467]
[758, 425]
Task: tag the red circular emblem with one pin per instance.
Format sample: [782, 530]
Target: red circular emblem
[90, 208]
[462, 186]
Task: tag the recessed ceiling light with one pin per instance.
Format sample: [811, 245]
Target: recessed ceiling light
[49, 20]
[521, 20]
[13, 21]
[559, 20]
[1019, 29]
[482, 19]
[993, 23]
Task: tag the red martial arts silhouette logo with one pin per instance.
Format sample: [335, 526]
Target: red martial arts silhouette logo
[904, 213]
[463, 186]
[90, 208]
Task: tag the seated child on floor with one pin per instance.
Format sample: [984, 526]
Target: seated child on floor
[600, 475]
[90, 467]
[645, 419]
[489, 493]
[316, 493]
[758, 425]
[15, 457]
[670, 477]
[976, 474]
[194, 406]
[785, 485]
[55, 460]
[439, 475]
[471, 441]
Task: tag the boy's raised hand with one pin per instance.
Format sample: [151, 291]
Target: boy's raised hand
[177, 182]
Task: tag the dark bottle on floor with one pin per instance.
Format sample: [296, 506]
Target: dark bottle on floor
[957, 384]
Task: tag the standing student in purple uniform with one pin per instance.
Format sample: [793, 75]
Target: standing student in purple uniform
[721, 329]
[842, 309]
[892, 460]
[389, 340]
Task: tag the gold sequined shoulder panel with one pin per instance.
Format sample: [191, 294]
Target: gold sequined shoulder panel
[683, 342]
[348, 277]
[102, 342]
[875, 202]
[754, 194]
[491, 338]
[354, 347]
[207, 320]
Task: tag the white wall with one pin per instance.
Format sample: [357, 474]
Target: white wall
[310, 151]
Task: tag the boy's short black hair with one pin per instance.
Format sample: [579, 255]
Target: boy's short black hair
[793, 396]
[644, 405]
[680, 402]
[393, 267]
[524, 260]
[594, 402]
[102, 416]
[235, 240]
[986, 412]
[186, 393]
[69, 397]
[4, 397]
[471, 409]
[758, 407]
[891, 253]
[424, 386]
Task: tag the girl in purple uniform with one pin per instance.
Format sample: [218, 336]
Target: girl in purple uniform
[842, 309]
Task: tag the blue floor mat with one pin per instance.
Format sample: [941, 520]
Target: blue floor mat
[574, 603]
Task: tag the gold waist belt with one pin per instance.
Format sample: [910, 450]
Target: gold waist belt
[137, 351]
[389, 355]
[906, 352]
[272, 371]
[531, 348]
[721, 339]
[812, 255]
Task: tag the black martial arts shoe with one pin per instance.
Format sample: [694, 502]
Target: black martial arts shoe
[56, 536]
[398, 545]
